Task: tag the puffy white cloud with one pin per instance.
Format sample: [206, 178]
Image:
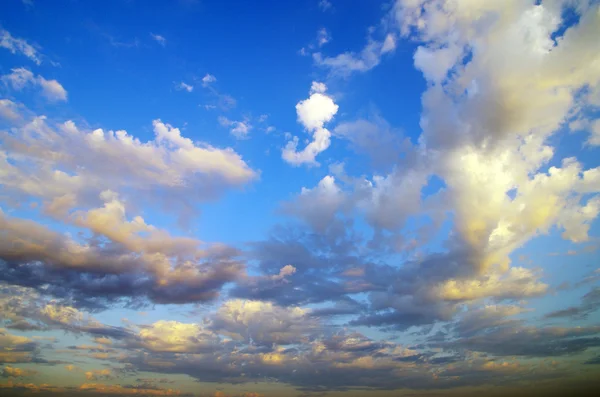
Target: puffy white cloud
[319, 205]
[184, 87]
[490, 143]
[517, 283]
[176, 337]
[239, 129]
[17, 45]
[62, 162]
[208, 79]
[21, 78]
[263, 323]
[312, 113]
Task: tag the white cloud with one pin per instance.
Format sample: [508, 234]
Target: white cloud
[16, 45]
[312, 113]
[185, 87]
[21, 78]
[323, 37]
[239, 129]
[159, 39]
[389, 44]
[9, 110]
[345, 64]
[493, 139]
[208, 79]
[263, 323]
[319, 205]
[176, 337]
[325, 5]
[55, 161]
[594, 139]
[517, 283]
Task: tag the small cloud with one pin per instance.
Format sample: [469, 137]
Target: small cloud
[159, 39]
[325, 5]
[208, 79]
[239, 129]
[20, 78]
[323, 37]
[184, 86]
[389, 44]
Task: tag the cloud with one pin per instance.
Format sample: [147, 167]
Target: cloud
[21, 78]
[158, 267]
[263, 323]
[323, 37]
[159, 39]
[13, 372]
[517, 283]
[68, 165]
[312, 113]
[16, 45]
[325, 5]
[185, 87]
[594, 139]
[173, 336]
[9, 110]
[98, 374]
[239, 129]
[347, 63]
[317, 206]
[590, 302]
[102, 389]
[17, 349]
[208, 79]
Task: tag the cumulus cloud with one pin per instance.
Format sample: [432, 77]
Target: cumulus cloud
[67, 165]
[173, 336]
[319, 205]
[160, 267]
[239, 129]
[14, 372]
[21, 78]
[263, 323]
[312, 113]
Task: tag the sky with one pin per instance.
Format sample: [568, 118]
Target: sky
[299, 198]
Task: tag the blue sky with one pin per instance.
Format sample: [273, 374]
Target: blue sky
[321, 197]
